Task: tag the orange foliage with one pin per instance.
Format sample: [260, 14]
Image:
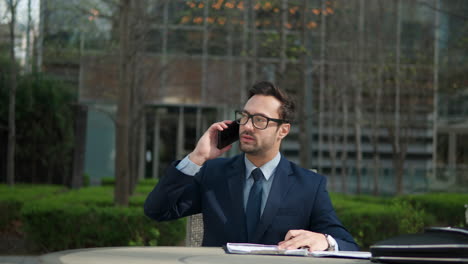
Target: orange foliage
[185, 19]
[311, 25]
[229, 5]
[198, 20]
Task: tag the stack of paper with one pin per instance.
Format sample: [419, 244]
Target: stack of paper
[341, 254]
[258, 249]
[240, 248]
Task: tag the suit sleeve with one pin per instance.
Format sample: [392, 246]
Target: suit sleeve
[325, 221]
[176, 195]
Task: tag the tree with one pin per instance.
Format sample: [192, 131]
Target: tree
[122, 165]
[12, 5]
[134, 27]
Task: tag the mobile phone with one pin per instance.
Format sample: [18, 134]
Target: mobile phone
[228, 135]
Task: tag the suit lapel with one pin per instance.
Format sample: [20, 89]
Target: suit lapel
[236, 178]
[281, 184]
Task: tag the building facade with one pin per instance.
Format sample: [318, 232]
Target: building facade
[373, 80]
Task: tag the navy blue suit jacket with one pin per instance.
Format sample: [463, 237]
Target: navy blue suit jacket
[298, 199]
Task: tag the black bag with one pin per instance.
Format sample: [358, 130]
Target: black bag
[435, 245]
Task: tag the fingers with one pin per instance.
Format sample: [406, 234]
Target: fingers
[294, 239]
[220, 126]
[225, 149]
[292, 234]
[206, 146]
[303, 238]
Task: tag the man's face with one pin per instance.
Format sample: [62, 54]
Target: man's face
[255, 141]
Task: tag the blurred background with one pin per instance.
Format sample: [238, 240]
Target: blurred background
[381, 85]
[99, 91]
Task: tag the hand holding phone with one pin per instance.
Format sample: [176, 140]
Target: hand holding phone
[214, 141]
[228, 135]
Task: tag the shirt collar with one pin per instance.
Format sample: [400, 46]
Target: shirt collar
[267, 169]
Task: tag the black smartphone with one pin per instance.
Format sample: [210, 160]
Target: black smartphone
[228, 135]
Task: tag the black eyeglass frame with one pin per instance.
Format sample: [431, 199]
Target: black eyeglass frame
[250, 117]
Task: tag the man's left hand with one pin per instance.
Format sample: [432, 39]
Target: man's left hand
[295, 239]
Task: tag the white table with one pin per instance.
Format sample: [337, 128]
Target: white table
[172, 255]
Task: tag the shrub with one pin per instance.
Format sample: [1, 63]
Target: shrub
[45, 138]
[13, 198]
[371, 219]
[88, 218]
[107, 181]
[59, 225]
[370, 223]
[448, 208]
[89, 196]
[148, 182]
[57, 219]
[110, 181]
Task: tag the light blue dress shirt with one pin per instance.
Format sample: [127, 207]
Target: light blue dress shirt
[268, 170]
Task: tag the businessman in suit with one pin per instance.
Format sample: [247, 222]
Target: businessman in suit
[258, 196]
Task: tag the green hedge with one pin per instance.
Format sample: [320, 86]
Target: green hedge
[13, 198]
[369, 223]
[447, 208]
[110, 181]
[371, 219]
[55, 218]
[58, 226]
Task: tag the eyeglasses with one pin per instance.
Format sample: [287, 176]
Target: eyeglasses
[259, 121]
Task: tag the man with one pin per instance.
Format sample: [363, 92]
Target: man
[258, 196]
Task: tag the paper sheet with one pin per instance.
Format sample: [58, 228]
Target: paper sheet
[245, 248]
[259, 249]
[342, 254]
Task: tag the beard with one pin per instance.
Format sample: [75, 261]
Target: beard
[250, 148]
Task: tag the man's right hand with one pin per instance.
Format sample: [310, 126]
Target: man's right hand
[206, 147]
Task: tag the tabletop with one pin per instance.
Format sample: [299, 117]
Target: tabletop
[173, 255]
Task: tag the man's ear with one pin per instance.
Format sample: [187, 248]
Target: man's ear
[284, 130]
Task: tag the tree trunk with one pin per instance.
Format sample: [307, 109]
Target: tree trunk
[253, 42]
[344, 150]
[358, 99]
[376, 128]
[331, 124]
[141, 150]
[397, 129]
[322, 87]
[28, 67]
[80, 143]
[40, 38]
[437, 31]
[121, 194]
[12, 99]
[283, 35]
[204, 66]
[376, 124]
[305, 102]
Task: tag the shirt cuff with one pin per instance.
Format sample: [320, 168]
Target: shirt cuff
[186, 166]
[333, 243]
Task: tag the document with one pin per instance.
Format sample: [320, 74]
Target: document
[342, 254]
[259, 249]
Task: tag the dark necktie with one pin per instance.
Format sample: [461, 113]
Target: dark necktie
[254, 203]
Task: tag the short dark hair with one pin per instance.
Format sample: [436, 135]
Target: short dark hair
[287, 109]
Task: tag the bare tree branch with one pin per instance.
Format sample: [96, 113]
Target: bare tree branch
[449, 12]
